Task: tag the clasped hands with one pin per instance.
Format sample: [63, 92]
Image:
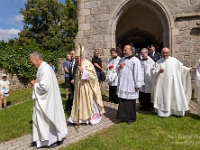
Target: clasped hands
[33, 82]
[122, 65]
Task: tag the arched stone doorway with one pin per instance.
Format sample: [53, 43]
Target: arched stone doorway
[140, 25]
[136, 15]
[139, 37]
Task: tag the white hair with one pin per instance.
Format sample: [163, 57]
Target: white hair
[36, 55]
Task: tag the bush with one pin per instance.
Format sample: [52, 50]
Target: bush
[15, 60]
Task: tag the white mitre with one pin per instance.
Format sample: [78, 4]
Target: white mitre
[78, 49]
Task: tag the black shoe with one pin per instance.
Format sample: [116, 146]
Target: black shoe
[33, 144]
[149, 109]
[142, 108]
[59, 143]
[53, 145]
[66, 109]
[129, 122]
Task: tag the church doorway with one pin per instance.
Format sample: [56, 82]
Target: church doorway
[142, 22]
[139, 25]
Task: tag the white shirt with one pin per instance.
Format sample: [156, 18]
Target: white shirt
[111, 75]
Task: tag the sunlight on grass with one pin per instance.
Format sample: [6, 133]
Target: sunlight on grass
[19, 96]
[16, 121]
[149, 132]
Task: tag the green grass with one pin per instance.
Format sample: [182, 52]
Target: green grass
[19, 96]
[149, 132]
[16, 121]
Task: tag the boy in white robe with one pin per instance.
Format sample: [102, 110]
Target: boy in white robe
[171, 86]
[49, 123]
[145, 91]
[197, 85]
[112, 77]
[129, 84]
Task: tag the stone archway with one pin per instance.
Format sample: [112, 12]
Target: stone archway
[141, 36]
[157, 6]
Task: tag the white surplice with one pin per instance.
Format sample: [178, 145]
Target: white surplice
[197, 85]
[49, 122]
[111, 74]
[130, 77]
[172, 88]
[147, 65]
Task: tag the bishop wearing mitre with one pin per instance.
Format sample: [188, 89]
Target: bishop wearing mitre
[87, 105]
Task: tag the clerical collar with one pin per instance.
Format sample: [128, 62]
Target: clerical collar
[129, 57]
[114, 57]
[144, 59]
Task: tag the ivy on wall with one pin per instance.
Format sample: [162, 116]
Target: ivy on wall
[15, 60]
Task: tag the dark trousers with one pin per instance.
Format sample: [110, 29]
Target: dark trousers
[70, 99]
[145, 100]
[113, 97]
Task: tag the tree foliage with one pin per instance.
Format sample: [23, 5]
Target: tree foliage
[45, 22]
[15, 60]
[49, 28]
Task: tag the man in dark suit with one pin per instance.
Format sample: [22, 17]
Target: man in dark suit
[155, 56]
[72, 72]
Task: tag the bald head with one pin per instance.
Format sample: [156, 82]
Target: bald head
[68, 57]
[165, 52]
[127, 50]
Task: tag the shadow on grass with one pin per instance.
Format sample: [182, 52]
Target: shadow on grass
[62, 85]
[194, 116]
[63, 96]
[8, 103]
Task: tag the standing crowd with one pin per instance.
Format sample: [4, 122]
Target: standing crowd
[159, 81]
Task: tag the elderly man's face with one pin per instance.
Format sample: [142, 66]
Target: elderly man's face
[72, 54]
[127, 50]
[165, 53]
[34, 61]
[77, 60]
[152, 49]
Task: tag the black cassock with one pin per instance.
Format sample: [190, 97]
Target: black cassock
[127, 110]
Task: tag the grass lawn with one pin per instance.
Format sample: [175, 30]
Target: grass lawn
[19, 96]
[16, 121]
[149, 132]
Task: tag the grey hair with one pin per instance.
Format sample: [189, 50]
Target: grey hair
[36, 55]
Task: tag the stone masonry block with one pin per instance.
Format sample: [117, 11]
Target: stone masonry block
[84, 26]
[94, 4]
[83, 12]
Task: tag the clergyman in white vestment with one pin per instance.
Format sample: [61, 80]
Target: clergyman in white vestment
[130, 81]
[197, 85]
[145, 91]
[49, 123]
[171, 86]
[112, 77]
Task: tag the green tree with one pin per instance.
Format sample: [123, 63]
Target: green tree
[45, 22]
